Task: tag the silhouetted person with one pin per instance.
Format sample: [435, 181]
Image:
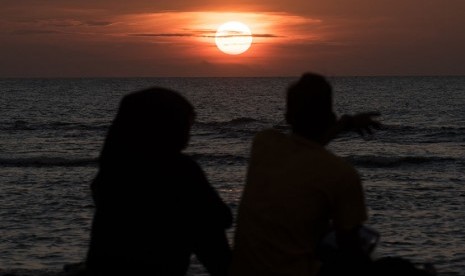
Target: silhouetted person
[296, 190]
[154, 205]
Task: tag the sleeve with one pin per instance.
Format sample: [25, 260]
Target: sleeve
[208, 207]
[349, 203]
[212, 216]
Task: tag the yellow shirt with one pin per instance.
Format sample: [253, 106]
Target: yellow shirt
[294, 188]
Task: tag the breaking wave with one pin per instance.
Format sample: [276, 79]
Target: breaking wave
[47, 162]
[396, 161]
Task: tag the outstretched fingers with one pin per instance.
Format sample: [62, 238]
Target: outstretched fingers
[364, 123]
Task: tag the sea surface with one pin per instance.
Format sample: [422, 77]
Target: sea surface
[413, 169]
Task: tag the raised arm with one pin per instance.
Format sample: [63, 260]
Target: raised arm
[362, 123]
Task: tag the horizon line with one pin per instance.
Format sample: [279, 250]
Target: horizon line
[193, 77]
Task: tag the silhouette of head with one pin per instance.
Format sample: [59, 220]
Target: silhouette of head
[151, 122]
[309, 106]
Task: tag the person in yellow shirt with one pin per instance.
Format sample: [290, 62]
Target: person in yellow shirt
[296, 190]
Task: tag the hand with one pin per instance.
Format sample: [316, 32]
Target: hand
[362, 123]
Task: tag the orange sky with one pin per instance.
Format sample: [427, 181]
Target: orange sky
[120, 38]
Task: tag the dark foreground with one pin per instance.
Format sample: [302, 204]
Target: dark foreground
[384, 267]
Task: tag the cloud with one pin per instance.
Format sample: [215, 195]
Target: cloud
[200, 34]
[165, 35]
[35, 32]
[75, 23]
[241, 35]
[266, 35]
[98, 23]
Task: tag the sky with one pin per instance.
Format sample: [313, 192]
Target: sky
[172, 38]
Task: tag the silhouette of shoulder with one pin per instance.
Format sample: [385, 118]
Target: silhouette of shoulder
[273, 146]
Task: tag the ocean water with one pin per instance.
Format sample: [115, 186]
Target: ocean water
[52, 130]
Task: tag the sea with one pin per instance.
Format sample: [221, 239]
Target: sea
[413, 168]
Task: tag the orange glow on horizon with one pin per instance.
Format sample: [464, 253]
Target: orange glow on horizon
[195, 32]
[189, 35]
[177, 38]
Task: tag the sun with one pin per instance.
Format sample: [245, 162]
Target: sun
[233, 38]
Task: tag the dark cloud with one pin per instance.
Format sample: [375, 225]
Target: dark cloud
[200, 34]
[98, 23]
[35, 32]
[165, 35]
[240, 35]
[74, 23]
[265, 35]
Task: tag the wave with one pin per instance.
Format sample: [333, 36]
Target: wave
[229, 159]
[358, 160]
[395, 161]
[220, 159]
[47, 162]
[20, 125]
[217, 159]
[431, 130]
[234, 122]
[405, 134]
[242, 120]
[243, 127]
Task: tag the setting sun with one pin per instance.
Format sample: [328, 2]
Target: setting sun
[233, 38]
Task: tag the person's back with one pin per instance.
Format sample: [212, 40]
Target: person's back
[151, 218]
[296, 190]
[294, 187]
[154, 205]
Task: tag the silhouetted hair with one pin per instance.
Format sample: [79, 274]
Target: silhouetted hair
[149, 123]
[309, 105]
